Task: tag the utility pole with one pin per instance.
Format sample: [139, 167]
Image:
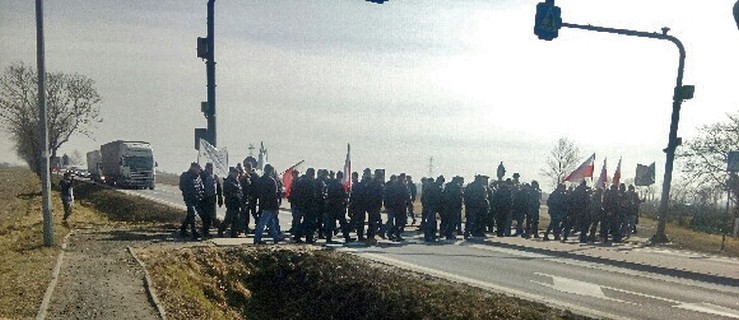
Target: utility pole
[44, 129]
[547, 24]
[206, 50]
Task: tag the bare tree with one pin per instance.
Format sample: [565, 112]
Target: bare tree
[72, 107]
[704, 158]
[561, 161]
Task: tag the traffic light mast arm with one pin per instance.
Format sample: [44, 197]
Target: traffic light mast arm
[633, 33]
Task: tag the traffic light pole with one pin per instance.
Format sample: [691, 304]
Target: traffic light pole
[210, 70]
[678, 97]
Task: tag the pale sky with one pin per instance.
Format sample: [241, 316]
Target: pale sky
[463, 81]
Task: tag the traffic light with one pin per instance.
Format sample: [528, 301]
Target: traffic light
[202, 48]
[548, 20]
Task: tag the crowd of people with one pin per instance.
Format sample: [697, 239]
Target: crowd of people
[324, 206]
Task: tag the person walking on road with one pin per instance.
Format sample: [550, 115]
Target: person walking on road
[191, 186]
[67, 187]
[269, 197]
[234, 199]
[212, 195]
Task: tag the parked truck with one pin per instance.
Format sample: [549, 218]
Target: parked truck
[128, 164]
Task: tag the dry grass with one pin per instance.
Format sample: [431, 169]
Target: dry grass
[26, 265]
[299, 283]
[171, 179]
[685, 238]
[25, 269]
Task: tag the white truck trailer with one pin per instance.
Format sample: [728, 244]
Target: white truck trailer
[128, 164]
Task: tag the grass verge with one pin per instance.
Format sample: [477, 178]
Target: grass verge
[291, 283]
[26, 265]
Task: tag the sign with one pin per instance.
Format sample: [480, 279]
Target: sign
[548, 20]
[644, 175]
[733, 161]
[218, 158]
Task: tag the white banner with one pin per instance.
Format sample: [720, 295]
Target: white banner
[219, 159]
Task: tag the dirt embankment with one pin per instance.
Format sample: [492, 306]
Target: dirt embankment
[300, 283]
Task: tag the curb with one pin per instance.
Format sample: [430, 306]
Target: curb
[42, 311]
[149, 284]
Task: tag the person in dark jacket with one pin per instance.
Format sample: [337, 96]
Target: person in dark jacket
[556, 205]
[414, 192]
[360, 203]
[375, 189]
[502, 203]
[269, 197]
[191, 186]
[234, 199]
[477, 205]
[451, 212]
[336, 202]
[534, 202]
[212, 195]
[304, 201]
[433, 200]
[67, 187]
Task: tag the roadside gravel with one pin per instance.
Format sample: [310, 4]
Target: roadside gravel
[99, 278]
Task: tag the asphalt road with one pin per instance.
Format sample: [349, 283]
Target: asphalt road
[585, 287]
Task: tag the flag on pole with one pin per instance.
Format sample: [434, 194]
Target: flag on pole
[348, 169]
[585, 170]
[287, 178]
[603, 178]
[644, 175]
[617, 174]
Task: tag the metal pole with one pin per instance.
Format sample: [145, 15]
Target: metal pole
[728, 216]
[672, 142]
[210, 70]
[44, 130]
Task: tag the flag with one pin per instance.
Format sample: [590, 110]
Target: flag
[644, 175]
[617, 174]
[348, 169]
[218, 158]
[287, 178]
[603, 178]
[585, 170]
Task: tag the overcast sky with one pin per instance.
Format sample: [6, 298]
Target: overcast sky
[463, 81]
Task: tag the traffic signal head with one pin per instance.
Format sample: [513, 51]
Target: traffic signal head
[548, 20]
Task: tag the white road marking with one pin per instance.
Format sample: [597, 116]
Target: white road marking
[577, 287]
[594, 290]
[705, 307]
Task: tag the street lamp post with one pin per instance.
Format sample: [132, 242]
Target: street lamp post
[43, 128]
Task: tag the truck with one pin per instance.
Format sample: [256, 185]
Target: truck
[95, 166]
[128, 164]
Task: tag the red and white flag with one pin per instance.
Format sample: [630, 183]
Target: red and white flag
[287, 178]
[585, 170]
[347, 169]
[617, 174]
[603, 178]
